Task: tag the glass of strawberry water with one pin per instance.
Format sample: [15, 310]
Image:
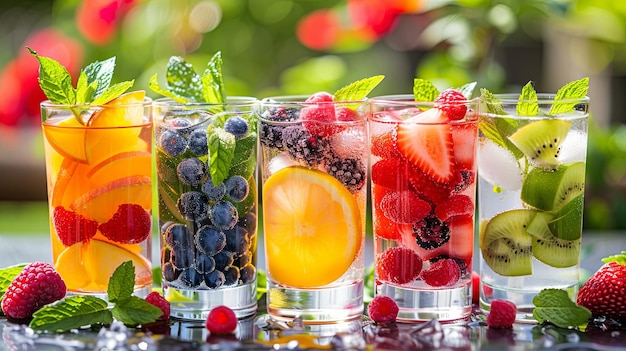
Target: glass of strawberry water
[99, 180]
[314, 170]
[206, 157]
[531, 166]
[423, 171]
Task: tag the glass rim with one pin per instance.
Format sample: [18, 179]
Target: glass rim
[300, 99]
[230, 100]
[542, 99]
[409, 99]
[147, 102]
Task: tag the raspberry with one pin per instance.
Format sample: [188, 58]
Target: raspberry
[346, 114]
[321, 96]
[319, 115]
[38, 284]
[404, 207]
[155, 299]
[391, 173]
[444, 272]
[221, 321]
[383, 309]
[449, 102]
[455, 205]
[130, 224]
[398, 265]
[72, 227]
[385, 145]
[502, 314]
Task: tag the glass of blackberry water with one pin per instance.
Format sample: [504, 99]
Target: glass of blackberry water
[531, 166]
[206, 159]
[314, 170]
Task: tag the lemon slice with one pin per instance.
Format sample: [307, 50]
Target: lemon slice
[312, 227]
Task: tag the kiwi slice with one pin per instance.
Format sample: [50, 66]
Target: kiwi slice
[505, 245]
[541, 141]
[567, 223]
[551, 190]
[550, 249]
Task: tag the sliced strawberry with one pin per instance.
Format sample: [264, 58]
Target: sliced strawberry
[71, 227]
[431, 116]
[429, 147]
[461, 243]
[385, 145]
[404, 207]
[428, 188]
[455, 205]
[392, 173]
[464, 137]
[383, 226]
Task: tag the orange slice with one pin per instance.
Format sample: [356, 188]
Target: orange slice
[313, 228]
[120, 115]
[68, 138]
[88, 266]
[123, 164]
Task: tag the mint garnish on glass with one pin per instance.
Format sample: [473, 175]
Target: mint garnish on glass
[425, 91]
[93, 85]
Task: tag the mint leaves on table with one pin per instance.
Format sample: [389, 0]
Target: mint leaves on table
[556, 307]
[82, 310]
[93, 85]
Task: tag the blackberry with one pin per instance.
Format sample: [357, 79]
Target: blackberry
[191, 278]
[272, 134]
[349, 171]
[237, 126]
[467, 179]
[177, 235]
[223, 259]
[198, 143]
[169, 272]
[192, 172]
[280, 113]
[209, 240]
[224, 215]
[193, 205]
[215, 193]
[231, 276]
[237, 188]
[304, 146]
[214, 279]
[182, 257]
[237, 240]
[172, 143]
[247, 273]
[204, 264]
[431, 233]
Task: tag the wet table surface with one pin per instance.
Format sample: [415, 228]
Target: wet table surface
[261, 333]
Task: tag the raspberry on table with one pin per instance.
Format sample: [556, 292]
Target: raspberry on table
[130, 224]
[38, 284]
[383, 309]
[221, 321]
[72, 228]
[502, 314]
[449, 101]
[155, 299]
[444, 272]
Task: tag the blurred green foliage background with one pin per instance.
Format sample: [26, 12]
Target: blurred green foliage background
[273, 47]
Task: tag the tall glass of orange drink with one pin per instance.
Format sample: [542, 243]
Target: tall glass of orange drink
[99, 178]
[314, 170]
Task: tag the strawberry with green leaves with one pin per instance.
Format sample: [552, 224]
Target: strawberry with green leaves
[603, 294]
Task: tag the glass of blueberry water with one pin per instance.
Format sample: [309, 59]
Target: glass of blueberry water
[206, 158]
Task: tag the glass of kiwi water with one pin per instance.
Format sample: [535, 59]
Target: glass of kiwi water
[531, 167]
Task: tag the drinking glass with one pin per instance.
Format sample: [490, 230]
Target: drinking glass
[314, 171]
[423, 171]
[206, 159]
[530, 198]
[99, 180]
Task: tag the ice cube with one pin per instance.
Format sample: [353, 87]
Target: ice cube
[498, 166]
[279, 162]
[573, 148]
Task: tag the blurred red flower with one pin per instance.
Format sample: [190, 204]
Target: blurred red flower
[99, 20]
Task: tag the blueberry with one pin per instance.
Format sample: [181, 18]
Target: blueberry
[170, 273]
[192, 172]
[198, 143]
[204, 264]
[193, 205]
[215, 193]
[223, 259]
[181, 125]
[237, 240]
[231, 275]
[182, 257]
[172, 143]
[243, 260]
[191, 278]
[237, 126]
[209, 240]
[224, 215]
[214, 279]
[247, 273]
[237, 188]
[248, 221]
[177, 235]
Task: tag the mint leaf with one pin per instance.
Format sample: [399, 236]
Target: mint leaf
[134, 310]
[571, 91]
[527, 104]
[122, 282]
[555, 306]
[7, 275]
[182, 80]
[112, 92]
[101, 72]
[424, 90]
[621, 258]
[358, 90]
[467, 90]
[221, 152]
[71, 313]
[213, 90]
[55, 81]
[156, 87]
[491, 104]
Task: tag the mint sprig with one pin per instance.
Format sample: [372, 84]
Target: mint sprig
[79, 311]
[358, 90]
[528, 105]
[7, 275]
[571, 91]
[556, 307]
[424, 90]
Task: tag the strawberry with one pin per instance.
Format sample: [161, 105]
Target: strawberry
[391, 173]
[383, 226]
[428, 146]
[461, 243]
[455, 205]
[71, 227]
[427, 188]
[385, 145]
[450, 101]
[464, 137]
[603, 294]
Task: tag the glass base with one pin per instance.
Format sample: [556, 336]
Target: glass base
[315, 306]
[523, 300]
[196, 304]
[424, 305]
